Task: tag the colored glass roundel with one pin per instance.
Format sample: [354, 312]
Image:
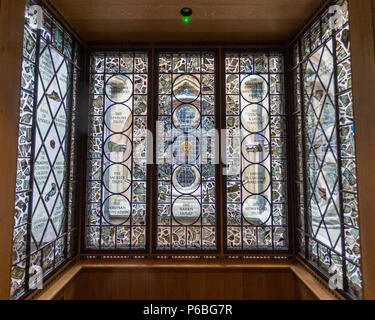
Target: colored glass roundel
[254, 118]
[119, 88]
[186, 149]
[256, 210]
[256, 178]
[118, 148]
[255, 148]
[117, 178]
[118, 118]
[186, 210]
[186, 117]
[116, 209]
[186, 88]
[186, 178]
[254, 88]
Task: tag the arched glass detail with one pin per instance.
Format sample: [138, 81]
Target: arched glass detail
[256, 166]
[116, 215]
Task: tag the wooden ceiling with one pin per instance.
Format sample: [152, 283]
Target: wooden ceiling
[143, 21]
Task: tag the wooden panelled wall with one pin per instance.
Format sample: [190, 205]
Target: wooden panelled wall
[93, 281]
[362, 34]
[11, 38]
[188, 283]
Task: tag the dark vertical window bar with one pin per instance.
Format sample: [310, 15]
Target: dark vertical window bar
[339, 162]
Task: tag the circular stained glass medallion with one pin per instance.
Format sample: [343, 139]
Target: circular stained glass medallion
[186, 210]
[186, 117]
[186, 149]
[117, 178]
[118, 118]
[119, 88]
[256, 210]
[117, 148]
[254, 118]
[116, 209]
[255, 148]
[256, 178]
[186, 178]
[254, 88]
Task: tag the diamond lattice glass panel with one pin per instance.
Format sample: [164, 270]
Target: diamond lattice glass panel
[117, 156]
[186, 188]
[256, 214]
[326, 123]
[51, 158]
[44, 151]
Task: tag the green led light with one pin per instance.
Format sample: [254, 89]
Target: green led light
[186, 19]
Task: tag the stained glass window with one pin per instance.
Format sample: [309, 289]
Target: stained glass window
[186, 186]
[116, 215]
[256, 187]
[327, 213]
[45, 227]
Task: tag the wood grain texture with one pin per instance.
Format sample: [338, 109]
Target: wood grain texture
[302, 291]
[11, 36]
[64, 286]
[184, 284]
[363, 80]
[307, 280]
[188, 281]
[121, 21]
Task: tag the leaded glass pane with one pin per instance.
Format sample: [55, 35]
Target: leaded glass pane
[256, 154]
[46, 151]
[331, 215]
[186, 207]
[117, 156]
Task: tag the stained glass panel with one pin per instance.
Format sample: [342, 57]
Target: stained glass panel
[44, 217]
[186, 207]
[116, 213]
[256, 212]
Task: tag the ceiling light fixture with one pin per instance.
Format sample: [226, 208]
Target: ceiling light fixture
[186, 13]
